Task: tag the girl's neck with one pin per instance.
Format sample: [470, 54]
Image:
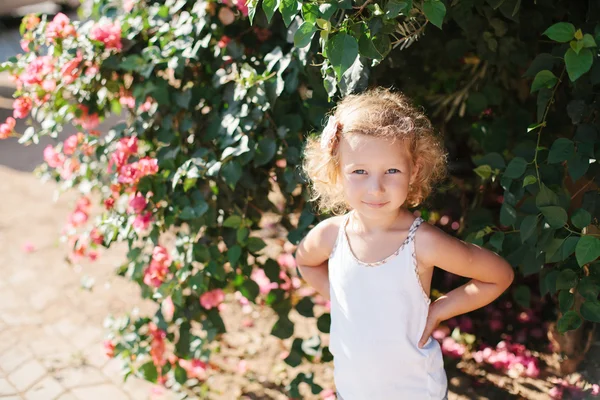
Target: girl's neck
[368, 224]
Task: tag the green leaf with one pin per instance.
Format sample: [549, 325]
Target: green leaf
[149, 371]
[588, 289]
[578, 166]
[587, 250]
[250, 289]
[255, 244]
[568, 247]
[543, 79]
[484, 171]
[569, 321]
[581, 218]
[546, 197]
[562, 149]
[522, 295]
[310, 12]
[283, 328]
[288, 10]
[234, 254]
[590, 310]
[567, 279]
[588, 41]
[265, 150]
[305, 307]
[324, 323]
[393, 8]
[342, 50]
[231, 172]
[269, 7]
[565, 300]
[578, 64]
[561, 32]
[515, 168]
[529, 180]
[233, 221]
[555, 215]
[508, 215]
[528, 226]
[496, 240]
[435, 11]
[367, 48]
[304, 34]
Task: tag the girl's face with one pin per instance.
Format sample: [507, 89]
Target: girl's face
[376, 173]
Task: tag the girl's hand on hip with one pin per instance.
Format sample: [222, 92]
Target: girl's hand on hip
[433, 320]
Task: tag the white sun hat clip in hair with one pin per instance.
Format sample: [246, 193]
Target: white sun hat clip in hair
[329, 134]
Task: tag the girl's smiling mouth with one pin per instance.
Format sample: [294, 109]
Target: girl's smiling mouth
[375, 205]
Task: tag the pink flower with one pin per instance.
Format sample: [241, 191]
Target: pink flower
[157, 345]
[452, 349]
[37, 70]
[224, 41]
[96, 236]
[53, 158]
[7, 127]
[28, 247]
[167, 308]
[138, 203]
[22, 106]
[161, 255]
[70, 71]
[109, 348]
[141, 223]
[31, 21]
[441, 333]
[109, 34]
[78, 218]
[264, 283]
[109, 203]
[148, 166]
[70, 144]
[87, 121]
[127, 101]
[93, 255]
[155, 274]
[286, 260]
[226, 16]
[128, 5]
[59, 28]
[212, 299]
[194, 368]
[241, 5]
[128, 145]
[327, 394]
[556, 392]
[242, 367]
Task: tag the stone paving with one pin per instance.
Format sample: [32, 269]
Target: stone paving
[51, 329]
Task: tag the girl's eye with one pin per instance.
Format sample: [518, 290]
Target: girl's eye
[359, 172]
[393, 171]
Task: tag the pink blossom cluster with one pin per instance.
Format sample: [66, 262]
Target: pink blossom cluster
[7, 128]
[212, 299]
[86, 120]
[451, 348]
[574, 391]
[37, 72]
[132, 173]
[194, 368]
[156, 273]
[157, 345]
[108, 33]
[71, 69]
[239, 4]
[285, 261]
[60, 28]
[512, 358]
[22, 106]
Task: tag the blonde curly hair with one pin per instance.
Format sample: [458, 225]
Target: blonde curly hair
[377, 112]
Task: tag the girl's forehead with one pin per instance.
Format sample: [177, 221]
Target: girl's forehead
[362, 148]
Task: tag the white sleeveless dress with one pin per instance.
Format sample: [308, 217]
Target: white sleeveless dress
[378, 314]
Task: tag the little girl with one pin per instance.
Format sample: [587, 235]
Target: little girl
[377, 156]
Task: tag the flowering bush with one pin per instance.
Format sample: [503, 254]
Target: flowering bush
[216, 98]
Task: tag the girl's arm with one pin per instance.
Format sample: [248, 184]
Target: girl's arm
[491, 274]
[313, 253]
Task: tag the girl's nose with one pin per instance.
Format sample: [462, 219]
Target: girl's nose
[376, 185]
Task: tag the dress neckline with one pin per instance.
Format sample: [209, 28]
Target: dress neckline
[411, 232]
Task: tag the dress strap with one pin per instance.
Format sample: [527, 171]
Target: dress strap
[341, 233]
[412, 231]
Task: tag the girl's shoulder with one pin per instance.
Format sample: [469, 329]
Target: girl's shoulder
[320, 240]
